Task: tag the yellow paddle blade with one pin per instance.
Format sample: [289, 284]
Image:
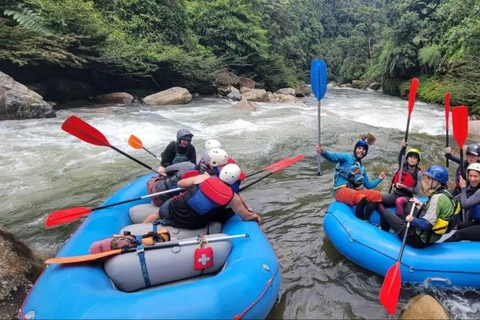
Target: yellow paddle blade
[135, 142]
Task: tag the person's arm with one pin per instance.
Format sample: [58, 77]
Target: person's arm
[188, 182]
[335, 157]
[168, 154]
[472, 201]
[371, 184]
[450, 156]
[237, 206]
[421, 224]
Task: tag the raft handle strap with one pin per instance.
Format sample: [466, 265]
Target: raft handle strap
[141, 257]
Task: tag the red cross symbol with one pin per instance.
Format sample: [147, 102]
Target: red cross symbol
[203, 258]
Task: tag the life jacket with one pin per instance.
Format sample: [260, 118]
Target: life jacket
[178, 156]
[443, 224]
[211, 194]
[408, 179]
[353, 174]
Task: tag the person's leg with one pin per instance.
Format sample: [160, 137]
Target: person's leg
[162, 213]
[352, 198]
[471, 233]
[388, 200]
[399, 204]
[369, 209]
[391, 220]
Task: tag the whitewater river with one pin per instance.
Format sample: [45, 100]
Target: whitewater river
[43, 169]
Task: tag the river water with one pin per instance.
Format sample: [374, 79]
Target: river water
[44, 169]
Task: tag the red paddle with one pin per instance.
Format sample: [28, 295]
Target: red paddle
[270, 166]
[393, 281]
[447, 114]
[83, 131]
[460, 132]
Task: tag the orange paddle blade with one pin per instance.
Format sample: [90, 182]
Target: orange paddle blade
[63, 216]
[460, 124]
[412, 94]
[85, 258]
[83, 131]
[135, 142]
[391, 289]
[288, 163]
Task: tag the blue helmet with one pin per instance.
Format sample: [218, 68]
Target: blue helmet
[438, 173]
[361, 143]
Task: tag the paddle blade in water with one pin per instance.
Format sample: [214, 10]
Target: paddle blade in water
[318, 78]
[390, 291]
[447, 109]
[288, 163]
[460, 124]
[64, 216]
[412, 94]
[135, 142]
[83, 131]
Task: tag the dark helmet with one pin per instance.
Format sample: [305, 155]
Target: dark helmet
[438, 173]
[184, 134]
[473, 149]
[361, 143]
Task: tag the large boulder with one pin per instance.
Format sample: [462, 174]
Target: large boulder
[258, 95]
[19, 102]
[278, 97]
[303, 91]
[115, 98]
[247, 83]
[234, 94]
[64, 90]
[226, 78]
[424, 307]
[20, 267]
[289, 91]
[175, 95]
[358, 84]
[245, 105]
[374, 86]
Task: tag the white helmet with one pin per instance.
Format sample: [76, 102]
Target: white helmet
[212, 144]
[230, 173]
[474, 166]
[217, 157]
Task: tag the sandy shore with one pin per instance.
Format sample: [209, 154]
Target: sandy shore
[474, 130]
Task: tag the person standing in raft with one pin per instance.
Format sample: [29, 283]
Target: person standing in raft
[205, 200]
[433, 217]
[473, 151]
[351, 183]
[179, 151]
[470, 200]
[411, 183]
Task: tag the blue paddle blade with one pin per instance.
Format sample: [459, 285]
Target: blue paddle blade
[318, 78]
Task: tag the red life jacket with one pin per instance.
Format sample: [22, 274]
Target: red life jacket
[408, 179]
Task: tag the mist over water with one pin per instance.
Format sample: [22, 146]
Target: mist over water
[44, 169]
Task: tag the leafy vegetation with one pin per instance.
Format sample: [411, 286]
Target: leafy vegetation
[152, 44]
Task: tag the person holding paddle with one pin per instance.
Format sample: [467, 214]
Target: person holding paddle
[205, 199]
[411, 180]
[179, 151]
[433, 217]
[351, 183]
[473, 152]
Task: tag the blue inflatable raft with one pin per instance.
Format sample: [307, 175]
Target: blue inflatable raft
[453, 264]
[247, 285]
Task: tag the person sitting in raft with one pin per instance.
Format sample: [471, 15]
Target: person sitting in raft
[473, 151]
[179, 151]
[432, 218]
[210, 144]
[204, 198]
[351, 183]
[469, 199]
[411, 183]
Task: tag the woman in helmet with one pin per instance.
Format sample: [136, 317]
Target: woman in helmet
[179, 151]
[473, 152]
[205, 199]
[411, 180]
[432, 218]
[351, 184]
[470, 200]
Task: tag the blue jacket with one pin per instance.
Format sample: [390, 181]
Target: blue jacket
[346, 160]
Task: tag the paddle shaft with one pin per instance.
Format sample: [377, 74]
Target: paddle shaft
[134, 159]
[136, 199]
[447, 143]
[151, 153]
[462, 173]
[319, 168]
[254, 182]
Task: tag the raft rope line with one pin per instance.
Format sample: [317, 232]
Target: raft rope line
[267, 286]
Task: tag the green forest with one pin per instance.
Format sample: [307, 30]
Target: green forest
[152, 44]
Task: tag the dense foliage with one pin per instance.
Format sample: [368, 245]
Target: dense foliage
[186, 42]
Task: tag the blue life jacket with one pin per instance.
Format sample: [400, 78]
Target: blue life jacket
[211, 194]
